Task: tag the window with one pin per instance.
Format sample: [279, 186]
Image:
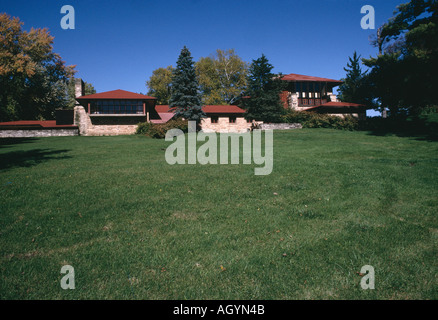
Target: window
[214, 119]
[232, 119]
[117, 107]
[309, 93]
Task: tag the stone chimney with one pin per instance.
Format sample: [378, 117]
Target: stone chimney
[79, 87]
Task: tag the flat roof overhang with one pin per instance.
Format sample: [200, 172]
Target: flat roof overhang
[117, 115]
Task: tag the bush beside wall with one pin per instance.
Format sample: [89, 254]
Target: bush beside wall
[158, 130]
[316, 120]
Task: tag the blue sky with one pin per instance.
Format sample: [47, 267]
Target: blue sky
[117, 44]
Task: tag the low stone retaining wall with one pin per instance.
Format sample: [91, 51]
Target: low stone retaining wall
[280, 126]
[31, 133]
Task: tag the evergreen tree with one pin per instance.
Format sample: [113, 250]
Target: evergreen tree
[353, 87]
[185, 99]
[403, 75]
[264, 90]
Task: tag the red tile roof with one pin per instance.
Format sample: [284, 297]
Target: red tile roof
[47, 124]
[222, 109]
[116, 94]
[300, 77]
[160, 108]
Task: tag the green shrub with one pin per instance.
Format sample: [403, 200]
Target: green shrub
[316, 120]
[158, 130]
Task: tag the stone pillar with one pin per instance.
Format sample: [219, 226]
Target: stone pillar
[332, 97]
[82, 120]
[79, 87]
[294, 101]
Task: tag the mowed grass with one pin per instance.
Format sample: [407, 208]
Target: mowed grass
[135, 227]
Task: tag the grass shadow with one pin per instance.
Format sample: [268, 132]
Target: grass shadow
[6, 142]
[419, 129]
[30, 158]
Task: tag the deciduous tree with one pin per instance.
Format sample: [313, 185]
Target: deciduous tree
[33, 78]
[159, 84]
[222, 77]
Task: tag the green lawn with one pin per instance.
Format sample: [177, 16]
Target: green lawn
[134, 227]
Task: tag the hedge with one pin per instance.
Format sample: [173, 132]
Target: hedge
[316, 120]
[158, 130]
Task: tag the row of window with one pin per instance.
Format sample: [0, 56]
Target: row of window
[99, 103]
[117, 110]
[311, 102]
[231, 119]
[117, 107]
[306, 90]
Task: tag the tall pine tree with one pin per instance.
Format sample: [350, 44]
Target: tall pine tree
[264, 90]
[185, 99]
[353, 88]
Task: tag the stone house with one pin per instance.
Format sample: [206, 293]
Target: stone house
[315, 94]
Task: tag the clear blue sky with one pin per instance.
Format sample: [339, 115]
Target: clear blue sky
[117, 44]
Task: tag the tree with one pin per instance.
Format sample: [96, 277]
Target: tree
[222, 77]
[33, 79]
[264, 90]
[403, 75]
[159, 84]
[88, 89]
[185, 99]
[354, 86]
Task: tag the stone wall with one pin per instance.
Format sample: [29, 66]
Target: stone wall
[280, 126]
[360, 115]
[30, 133]
[223, 125]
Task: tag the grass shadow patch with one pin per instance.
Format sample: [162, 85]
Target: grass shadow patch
[6, 142]
[30, 158]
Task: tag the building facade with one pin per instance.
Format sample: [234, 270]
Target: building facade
[315, 94]
[119, 112]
